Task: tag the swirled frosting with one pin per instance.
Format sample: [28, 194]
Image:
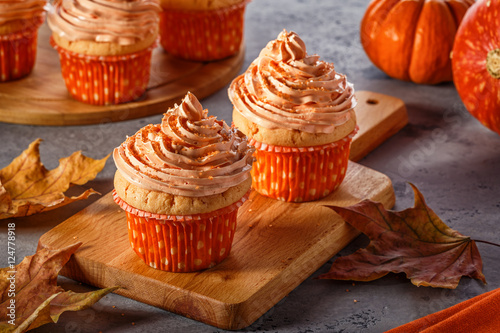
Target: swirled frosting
[122, 22]
[287, 88]
[189, 153]
[11, 10]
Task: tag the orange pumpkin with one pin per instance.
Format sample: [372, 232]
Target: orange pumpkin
[476, 62]
[411, 40]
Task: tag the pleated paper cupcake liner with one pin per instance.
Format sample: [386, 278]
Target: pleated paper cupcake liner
[184, 243]
[18, 53]
[203, 35]
[105, 80]
[300, 174]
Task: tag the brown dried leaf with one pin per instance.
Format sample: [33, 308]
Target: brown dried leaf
[38, 299]
[414, 241]
[27, 187]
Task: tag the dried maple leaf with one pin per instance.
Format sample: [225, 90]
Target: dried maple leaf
[414, 241]
[38, 300]
[27, 187]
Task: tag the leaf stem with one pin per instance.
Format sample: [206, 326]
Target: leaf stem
[486, 242]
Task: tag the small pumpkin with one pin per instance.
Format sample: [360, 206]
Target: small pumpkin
[411, 40]
[476, 62]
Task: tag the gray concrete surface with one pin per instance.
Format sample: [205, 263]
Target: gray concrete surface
[459, 177]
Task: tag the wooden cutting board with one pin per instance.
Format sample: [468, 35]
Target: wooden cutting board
[42, 98]
[277, 245]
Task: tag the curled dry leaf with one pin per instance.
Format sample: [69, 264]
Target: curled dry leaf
[38, 300]
[414, 241]
[27, 187]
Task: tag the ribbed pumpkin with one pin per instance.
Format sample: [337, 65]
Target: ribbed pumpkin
[476, 62]
[411, 40]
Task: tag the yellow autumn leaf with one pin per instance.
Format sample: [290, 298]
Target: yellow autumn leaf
[27, 187]
[30, 296]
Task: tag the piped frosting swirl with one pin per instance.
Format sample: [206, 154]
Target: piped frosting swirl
[122, 22]
[189, 153]
[287, 88]
[11, 10]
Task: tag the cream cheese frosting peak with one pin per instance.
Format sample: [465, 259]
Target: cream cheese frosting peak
[190, 108]
[287, 88]
[288, 46]
[122, 22]
[189, 153]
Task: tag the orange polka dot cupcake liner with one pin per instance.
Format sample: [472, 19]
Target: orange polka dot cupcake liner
[180, 244]
[105, 80]
[203, 35]
[18, 53]
[300, 174]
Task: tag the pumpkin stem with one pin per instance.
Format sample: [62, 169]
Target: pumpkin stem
[493, 63]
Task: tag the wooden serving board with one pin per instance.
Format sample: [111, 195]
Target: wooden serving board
[42, 98]
[379, 117]
[276, 245]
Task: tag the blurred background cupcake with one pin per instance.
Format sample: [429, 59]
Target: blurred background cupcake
[181, 183]
[105, 47]
[298, 112]
[202, 30]
[19, 23]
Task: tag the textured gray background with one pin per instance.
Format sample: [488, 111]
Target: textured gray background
[459, 176]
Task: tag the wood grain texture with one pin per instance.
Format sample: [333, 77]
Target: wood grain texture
[276, 246]
[42, 98]
[379, 117]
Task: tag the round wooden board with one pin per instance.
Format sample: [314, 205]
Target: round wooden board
[42, 98]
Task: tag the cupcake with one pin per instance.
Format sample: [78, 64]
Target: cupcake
[19, 23]
[298, 113]
[181, 183]
[202, 30]
[105, 47]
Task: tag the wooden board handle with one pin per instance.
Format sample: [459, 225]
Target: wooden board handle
[379, 117]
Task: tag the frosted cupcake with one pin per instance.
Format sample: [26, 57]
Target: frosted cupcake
[105, 47]
[19, 23]
[202, 30]
[298, 113]
[181, 183]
